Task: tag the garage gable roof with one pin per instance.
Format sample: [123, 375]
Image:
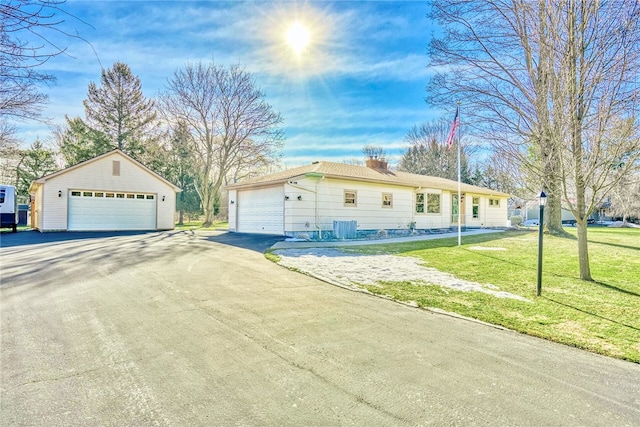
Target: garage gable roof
[117, 152]
[363, 173]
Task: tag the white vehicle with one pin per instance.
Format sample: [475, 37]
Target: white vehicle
[8, 207]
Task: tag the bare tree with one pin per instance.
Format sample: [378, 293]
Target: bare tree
[624, 198]
[496, 56]
[553, 86]
[428, 153]
[497, 174]
[374, 152]
[9, 154]
[27, 30]
[596, 55]
[354, 161]
[232, 127]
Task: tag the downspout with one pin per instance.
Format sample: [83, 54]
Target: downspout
[485, 211]
[317, 211]
[317, 214]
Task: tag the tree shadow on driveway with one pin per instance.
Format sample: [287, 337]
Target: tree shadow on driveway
[34, 237]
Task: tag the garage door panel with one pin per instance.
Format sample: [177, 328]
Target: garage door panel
[261, 211]
[111, 213]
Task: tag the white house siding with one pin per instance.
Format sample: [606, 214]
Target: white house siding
[496, 216]
[313, 198]
[38, 208]
[301, 215]
[433, 220]
[489, 216]
[97, 176]
[233, 197]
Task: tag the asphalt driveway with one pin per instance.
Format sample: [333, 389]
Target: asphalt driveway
[182, 328]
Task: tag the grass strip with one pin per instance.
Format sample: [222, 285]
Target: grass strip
[602, 316]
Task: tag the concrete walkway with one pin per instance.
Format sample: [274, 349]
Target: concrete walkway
[334, 243]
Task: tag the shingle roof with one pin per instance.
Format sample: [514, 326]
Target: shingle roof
[362, 173]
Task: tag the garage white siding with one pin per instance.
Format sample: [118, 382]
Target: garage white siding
[98, 210]
[261, 211]
[151, 206]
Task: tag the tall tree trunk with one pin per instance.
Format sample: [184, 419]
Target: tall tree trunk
[576, 116]
[208, 207]
[205, 190]
[553, 210]
[549, 149]
[583, 251]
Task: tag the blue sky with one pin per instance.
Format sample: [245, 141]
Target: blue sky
[361, 80]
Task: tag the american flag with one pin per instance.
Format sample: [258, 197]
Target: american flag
[454, 125]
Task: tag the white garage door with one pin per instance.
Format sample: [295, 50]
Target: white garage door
[103, 210]
[261, 211]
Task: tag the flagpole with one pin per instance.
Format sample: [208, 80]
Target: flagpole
[459, 190]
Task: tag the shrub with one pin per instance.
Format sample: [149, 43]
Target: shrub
[516, 220]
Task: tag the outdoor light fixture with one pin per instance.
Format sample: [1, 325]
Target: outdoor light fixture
[59, 193]
[163, 198]
[232, 202]
[543, 199]
[286, 197]
[299, 197]
[542, 202]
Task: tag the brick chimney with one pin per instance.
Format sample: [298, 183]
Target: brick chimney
[375, 163]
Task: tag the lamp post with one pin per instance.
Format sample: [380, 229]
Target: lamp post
[542, 202]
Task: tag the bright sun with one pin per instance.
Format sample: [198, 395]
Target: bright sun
[298, 37]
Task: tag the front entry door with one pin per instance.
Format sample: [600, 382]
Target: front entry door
[455, 211]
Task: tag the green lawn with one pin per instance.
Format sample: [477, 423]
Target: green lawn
[601, 316]
[217, 225]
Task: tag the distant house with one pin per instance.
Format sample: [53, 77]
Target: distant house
[314, 199]
[109, 192]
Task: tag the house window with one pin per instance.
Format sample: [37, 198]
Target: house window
[419, 202]
[433, 203]
[139, 196]
[87, 194]
[75, 194]
[387, 200]
[98, 194]
[350, 198]
[116, 168]
[149, 196]
[475, 207]
[131, 196]
[120, 196]
[109, 195]
[494, 203]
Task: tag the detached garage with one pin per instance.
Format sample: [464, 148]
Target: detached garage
[109, 192]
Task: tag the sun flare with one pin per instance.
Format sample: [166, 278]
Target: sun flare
[298, 37]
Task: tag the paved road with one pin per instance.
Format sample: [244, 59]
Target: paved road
[177, 328]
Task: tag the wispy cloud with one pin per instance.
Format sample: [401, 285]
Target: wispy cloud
[361, 81]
